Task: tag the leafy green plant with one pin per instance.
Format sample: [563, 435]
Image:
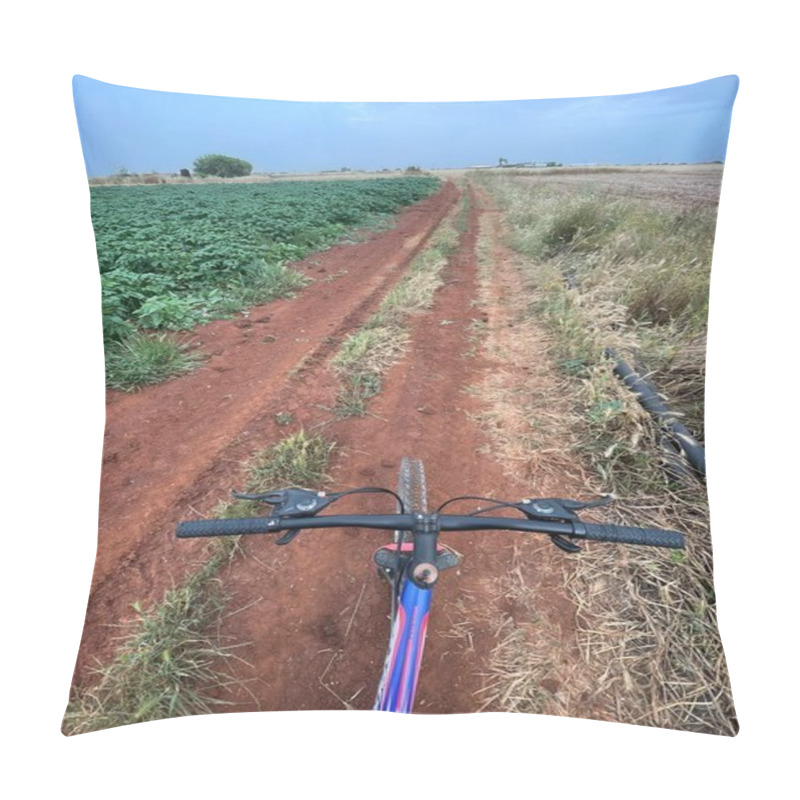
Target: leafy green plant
[168, 311]
[186, 253]
[115, 322]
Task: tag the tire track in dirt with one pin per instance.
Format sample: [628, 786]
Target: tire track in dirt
[315, 614]
[311, 619]
[176, 443]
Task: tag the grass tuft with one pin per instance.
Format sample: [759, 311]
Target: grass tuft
[170, 663]
[300, 459]
[360, 363]
[525, 664]
[648, 624]
[262, 282]
[145, 358]
[367, 354]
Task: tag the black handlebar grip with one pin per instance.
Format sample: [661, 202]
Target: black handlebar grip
[224, 527]
[623, 535]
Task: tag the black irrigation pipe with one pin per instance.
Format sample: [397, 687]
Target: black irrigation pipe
[651, 401]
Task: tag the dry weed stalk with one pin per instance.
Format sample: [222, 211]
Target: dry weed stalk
[526, 667]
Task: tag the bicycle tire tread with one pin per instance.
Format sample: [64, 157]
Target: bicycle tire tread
[412, 488]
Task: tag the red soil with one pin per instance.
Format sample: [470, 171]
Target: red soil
[313, 615]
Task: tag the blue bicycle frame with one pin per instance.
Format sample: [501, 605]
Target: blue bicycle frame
[401, 671]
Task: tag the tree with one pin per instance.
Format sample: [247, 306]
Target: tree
[222, 166]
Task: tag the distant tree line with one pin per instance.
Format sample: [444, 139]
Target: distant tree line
[503, 162]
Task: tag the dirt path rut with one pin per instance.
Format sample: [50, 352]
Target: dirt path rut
[177, 443]
[312, 616]
[314, 613]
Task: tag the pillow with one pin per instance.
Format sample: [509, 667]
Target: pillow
[498, 300]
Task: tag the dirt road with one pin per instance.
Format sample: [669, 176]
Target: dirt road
[313, 615]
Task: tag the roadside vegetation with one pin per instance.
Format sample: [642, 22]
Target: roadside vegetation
[172, 659]
[600, 272]
[622, 274]
[143, 358]
[366, 355]
[168, 664]
[591, 272]
[174, 256]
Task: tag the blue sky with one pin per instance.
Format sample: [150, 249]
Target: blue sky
[143, 130]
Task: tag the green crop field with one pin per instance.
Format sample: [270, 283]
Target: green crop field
[172, 256]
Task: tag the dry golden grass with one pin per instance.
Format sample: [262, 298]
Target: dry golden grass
[527, 670]
[648, 624]
[646, 621]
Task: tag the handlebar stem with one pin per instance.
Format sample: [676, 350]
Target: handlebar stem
[422, 569]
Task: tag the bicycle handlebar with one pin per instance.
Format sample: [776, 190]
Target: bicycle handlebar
[446, 522]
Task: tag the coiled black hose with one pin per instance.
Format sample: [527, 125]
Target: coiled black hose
[651, 401]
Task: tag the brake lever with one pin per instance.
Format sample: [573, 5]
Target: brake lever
[565, 544]
[576, 505]
[288, 536]
[273, 498]
[292, 502]
[558, 510]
